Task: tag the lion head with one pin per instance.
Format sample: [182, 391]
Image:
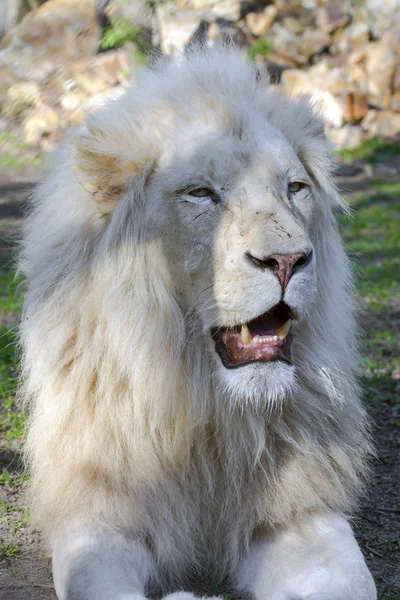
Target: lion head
[231, 181]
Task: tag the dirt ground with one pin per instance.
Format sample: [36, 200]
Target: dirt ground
[25, 569]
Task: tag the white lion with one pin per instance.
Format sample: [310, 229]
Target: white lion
[189, 348]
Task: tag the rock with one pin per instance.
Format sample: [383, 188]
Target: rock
[222, 31]
[138, 11]
[349, 136]
[70, 101]
[381, 62]
[9, 10]
[4, 125]
[334, 15]
[356, 70]
[298, 48]
[6, 81]
[329, 79]
[385, 13]
[41, 123]
[259, 23]
[232, 10]
[106, 70]
[296, 82]
[50, 38]
[358, 33]
[227, 9]
[356, 107]
[21, 97]
[395, 102]
[396, 79]
[309, 4]
[317, 78]
[177, 28]
[381, 123]
[294, 25]
[12, 11]
[351, 38]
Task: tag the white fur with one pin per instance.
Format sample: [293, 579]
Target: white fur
[136, 428]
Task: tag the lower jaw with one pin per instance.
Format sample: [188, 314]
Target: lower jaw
[273, 353]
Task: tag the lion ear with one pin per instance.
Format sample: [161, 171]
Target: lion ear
[109, 154]
[102, 175]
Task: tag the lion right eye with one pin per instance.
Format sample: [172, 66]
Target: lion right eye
[201, 193]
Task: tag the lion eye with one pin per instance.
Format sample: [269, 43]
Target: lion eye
[201, 193]
[295, 186]
[202, 196]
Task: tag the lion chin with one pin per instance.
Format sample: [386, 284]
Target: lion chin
[189, 347]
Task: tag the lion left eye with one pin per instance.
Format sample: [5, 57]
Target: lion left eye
[202, 196]
[295, 186]
[201, 193]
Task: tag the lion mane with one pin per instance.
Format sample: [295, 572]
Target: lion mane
[126, 426]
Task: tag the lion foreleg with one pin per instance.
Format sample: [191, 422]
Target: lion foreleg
[89, 564]
[317, 558]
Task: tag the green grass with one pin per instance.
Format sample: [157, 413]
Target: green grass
[373, 150]
[10, 289]
[6, 508]
[12, 420]
[14, 479]
[15, 518]
[121, 32]
[260, 47]
[8, 550]
[16, 154]
[5, 477]
[372, 237]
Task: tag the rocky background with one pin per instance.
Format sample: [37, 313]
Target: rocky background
[60, 56]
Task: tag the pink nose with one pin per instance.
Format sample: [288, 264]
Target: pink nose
[284, 265]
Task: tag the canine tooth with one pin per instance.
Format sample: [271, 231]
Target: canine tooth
[284, 330]
[246, 335]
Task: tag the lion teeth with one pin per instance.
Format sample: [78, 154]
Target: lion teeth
[280, 334]
[246, 335]
[284, 330]
[264, 339]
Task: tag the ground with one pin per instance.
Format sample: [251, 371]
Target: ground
[370, 180]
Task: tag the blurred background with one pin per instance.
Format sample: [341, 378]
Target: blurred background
[61, 57]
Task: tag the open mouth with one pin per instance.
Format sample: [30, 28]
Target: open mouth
[266, 338]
